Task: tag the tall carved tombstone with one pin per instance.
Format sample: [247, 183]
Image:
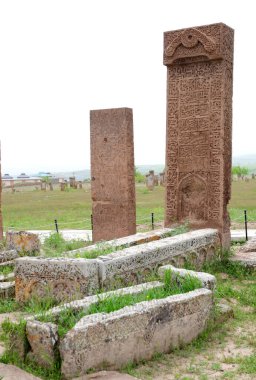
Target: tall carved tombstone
[199, 126]
[112, 172]
[1, 217]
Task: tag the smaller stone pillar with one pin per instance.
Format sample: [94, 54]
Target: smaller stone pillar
[112, 171]
[72, 181]
[63, 186]
[162, 178]
[150, 180]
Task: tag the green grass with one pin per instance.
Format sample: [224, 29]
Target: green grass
[5, 270]
[68, 318]
[72, 209]
[35, 305]
[55, 244]
[8, 306]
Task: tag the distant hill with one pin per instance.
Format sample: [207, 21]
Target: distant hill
[245, 160]
[79, 174]
[86, 174]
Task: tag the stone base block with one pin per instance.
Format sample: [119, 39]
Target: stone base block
[23, 241]
[42, 338]
[62, 279]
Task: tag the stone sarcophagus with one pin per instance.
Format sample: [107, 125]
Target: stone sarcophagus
[112, 170]
[199, 126]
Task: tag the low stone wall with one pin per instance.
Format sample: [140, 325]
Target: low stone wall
[42, 336]
[60, 278]
[127, 241]
[133, 264]
[135, 332]
[73, 278]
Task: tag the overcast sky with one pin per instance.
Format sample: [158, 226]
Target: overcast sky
[59, 59]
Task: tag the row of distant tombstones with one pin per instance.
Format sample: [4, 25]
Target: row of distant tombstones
[153, 179]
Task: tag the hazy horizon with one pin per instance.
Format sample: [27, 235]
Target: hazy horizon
[243, 160]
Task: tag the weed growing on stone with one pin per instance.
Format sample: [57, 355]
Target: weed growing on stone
[8, 306]
[183, 228]
[103, 248]
[4, 270]
[68, 317]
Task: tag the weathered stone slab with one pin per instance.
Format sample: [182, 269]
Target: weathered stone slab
[22, 241]
[135, 332]
[112, 171]
[127, 241]
[7, 289]
[224, 312]
[199, 64]
[66, 278]
[59, 277]
[207, 280]
[43, 338]
[133, 263]
[246, 254]
[107, 375]
[8, 255]
[10, 372]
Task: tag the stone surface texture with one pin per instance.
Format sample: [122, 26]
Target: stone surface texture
[8, 255]
[61, 278]
[135, 332]
[199, 64]
[207, 280]
[10, 372]
[246, 254]
[224, 312]
[106, 375]
[133, 263]
[112, 171]
[71, 278]
[127, 241]
[23, 241]
[43, 338]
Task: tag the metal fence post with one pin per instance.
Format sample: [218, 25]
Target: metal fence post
[91, 222]
[152, 220]
[245, 225]
[56, 225]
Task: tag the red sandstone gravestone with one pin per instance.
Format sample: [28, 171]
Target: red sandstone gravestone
[199, 121]
[112, 172]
